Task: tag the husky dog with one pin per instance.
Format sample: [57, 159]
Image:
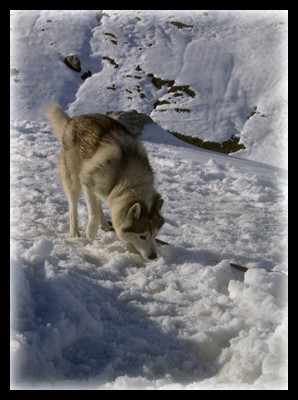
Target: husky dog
[102, 156]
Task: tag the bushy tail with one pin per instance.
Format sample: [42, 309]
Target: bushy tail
[58, 119]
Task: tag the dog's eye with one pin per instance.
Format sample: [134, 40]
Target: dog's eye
[143, 237]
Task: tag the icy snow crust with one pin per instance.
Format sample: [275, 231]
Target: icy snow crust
[90, 315]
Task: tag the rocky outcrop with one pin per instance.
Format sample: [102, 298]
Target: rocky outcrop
[73, 62]
[86, 75]
[101, 14]
[133, 120]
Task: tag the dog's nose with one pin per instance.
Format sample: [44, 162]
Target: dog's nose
[152, 256]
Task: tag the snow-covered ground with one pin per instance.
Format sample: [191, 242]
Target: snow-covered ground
[89, 315]
[234, 63]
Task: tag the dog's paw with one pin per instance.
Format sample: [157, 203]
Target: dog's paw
[74, 234]
[91, 232]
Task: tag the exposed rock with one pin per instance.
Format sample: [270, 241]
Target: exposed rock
[98, 16]
[180, 24]
[13, 72]
[133, 120]
[111, 61]
[101, 14]
[86, 74]
[73, 62]
[227, 147]
[113, 87]
[160, 103]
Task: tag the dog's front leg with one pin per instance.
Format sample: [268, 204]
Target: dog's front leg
[93, 213]
[73, 221]
[96, 217]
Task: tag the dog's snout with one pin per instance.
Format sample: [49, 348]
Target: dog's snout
[152, 256]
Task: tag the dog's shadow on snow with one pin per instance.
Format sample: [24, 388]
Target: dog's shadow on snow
[131, 343]
[87, 326]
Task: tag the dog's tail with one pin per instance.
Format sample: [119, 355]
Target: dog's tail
[58, 119]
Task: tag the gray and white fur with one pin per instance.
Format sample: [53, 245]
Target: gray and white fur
[101, 155]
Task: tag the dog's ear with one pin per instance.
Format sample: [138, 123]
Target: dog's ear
[157, 203]
[134, 212]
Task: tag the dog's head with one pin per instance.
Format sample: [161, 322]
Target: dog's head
[141, 226]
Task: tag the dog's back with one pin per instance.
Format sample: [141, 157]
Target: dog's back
[89, 132]
[100, 147]
[86, 133]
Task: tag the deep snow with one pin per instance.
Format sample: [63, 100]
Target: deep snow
[89, 314]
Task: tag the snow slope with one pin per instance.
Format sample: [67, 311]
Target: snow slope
[234, 63]
[89, 315]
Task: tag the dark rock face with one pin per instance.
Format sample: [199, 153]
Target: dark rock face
[132, 120]
[73, 62]
[101, 14]
[86, 74]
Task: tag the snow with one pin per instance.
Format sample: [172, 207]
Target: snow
[90, 315]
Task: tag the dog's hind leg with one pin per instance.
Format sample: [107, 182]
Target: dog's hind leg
[72, 189]
[96, 217]
[73, 198]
